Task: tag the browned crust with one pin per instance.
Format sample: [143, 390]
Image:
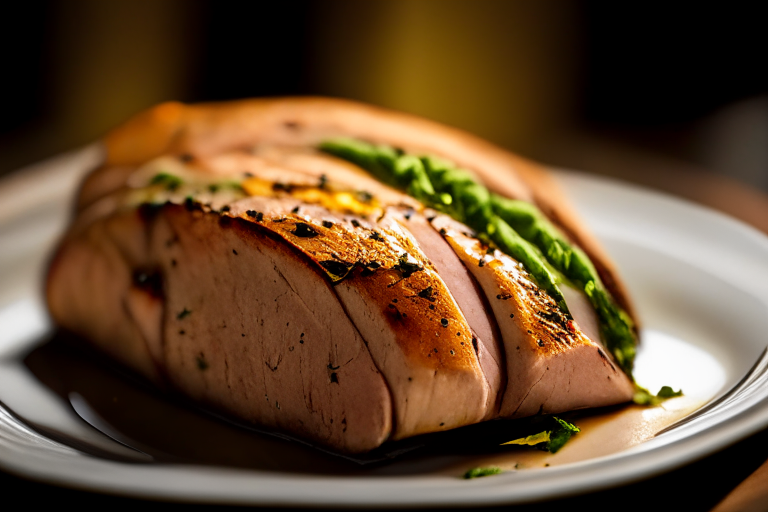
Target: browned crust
[210, 128]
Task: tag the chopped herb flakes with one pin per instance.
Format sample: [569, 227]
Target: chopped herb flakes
[478, 472]
[644, 397]
[551, 439]
[426, 293]
[337, 269]
[406, 268]
[170, 181]
[183, 314]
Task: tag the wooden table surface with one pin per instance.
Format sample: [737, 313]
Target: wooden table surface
[735, 478]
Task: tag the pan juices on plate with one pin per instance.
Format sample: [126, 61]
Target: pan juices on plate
[342, 273]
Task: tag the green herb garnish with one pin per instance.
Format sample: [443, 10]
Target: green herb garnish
[550, 440]
[478, 472]
[517, 228]
[170, 181]
[644, 397]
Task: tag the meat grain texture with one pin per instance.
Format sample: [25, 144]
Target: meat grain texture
[217, 252]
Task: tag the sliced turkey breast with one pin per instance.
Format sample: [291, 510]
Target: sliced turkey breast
[552, 365]
[219, 253]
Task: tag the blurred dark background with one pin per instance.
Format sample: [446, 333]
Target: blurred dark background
[618, 88]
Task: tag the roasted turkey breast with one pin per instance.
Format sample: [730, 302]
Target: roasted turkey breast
[221, 252]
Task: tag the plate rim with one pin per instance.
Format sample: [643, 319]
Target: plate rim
[583, 477]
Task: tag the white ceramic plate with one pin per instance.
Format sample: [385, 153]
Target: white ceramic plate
[700, 280]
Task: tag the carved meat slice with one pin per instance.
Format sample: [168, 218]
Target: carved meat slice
[470, 299]
[552, 366]
[227, 315]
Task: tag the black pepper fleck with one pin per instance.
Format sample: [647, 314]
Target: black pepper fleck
[363, 196]
[444, 322]
[426, 293]
[282, 186]
[304, 230]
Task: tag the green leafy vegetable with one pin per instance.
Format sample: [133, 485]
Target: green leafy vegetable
[478, 472]
[550, 440]
[517, 228]
[668, 392]
[170, 181]
[562, 435]
[532, 440]
[644, 397]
